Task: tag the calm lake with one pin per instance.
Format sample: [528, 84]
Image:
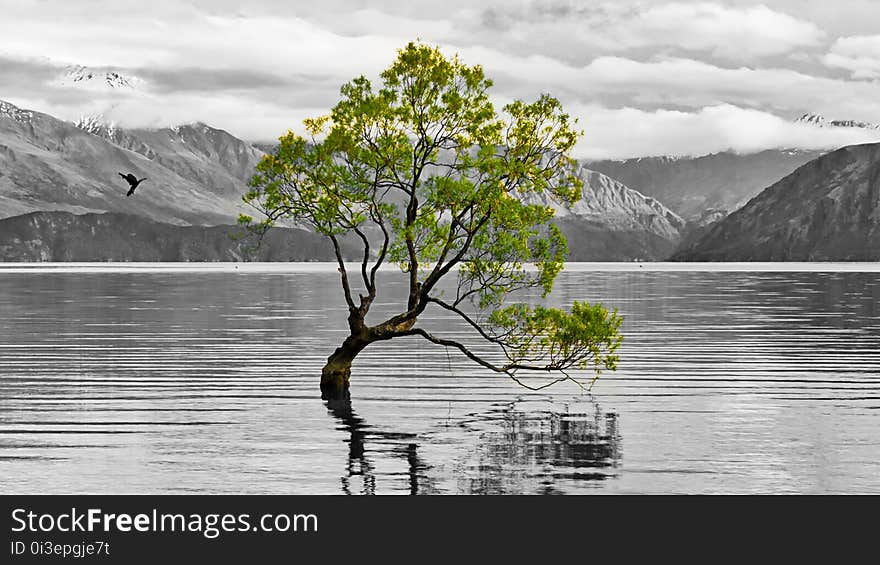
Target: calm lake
[191, 379]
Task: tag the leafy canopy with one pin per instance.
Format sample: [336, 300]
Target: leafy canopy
[425, 173]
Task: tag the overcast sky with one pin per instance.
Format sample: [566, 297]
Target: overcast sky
[645, 77]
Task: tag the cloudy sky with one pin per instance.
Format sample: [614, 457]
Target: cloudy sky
[645, 77]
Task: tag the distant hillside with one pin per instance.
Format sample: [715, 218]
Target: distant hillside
[692, 185]
[211, 158]
[697, 228]
[827, 210]
[194, 176]
[62, 236]
[614, 223]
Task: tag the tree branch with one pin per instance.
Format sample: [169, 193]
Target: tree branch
[377, 218]
[365, 262]
[342, 272]
[471, 322]
[440, 272]
[508, 370]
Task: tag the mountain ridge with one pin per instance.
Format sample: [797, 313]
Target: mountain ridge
[819, 120]
[826, 210]
[691, 185]
[50, 164]
[613, 222]
[100, 237]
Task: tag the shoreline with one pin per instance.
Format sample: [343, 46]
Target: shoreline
[322, 267]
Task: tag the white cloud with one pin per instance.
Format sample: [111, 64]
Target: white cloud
[752, 31]
[859, 54]
[686, 82]
[737, 33]
[620, 133]
[252, 119]
[278, 45]
[697, 70]
[680, 83]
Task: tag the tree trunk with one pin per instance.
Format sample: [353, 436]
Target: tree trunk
[337, 371]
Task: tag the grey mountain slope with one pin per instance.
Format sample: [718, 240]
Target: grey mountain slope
[62, 236]
[692, 185]
[49, 164]
[615, 223]
[827, 210]
[695, 229]
[210, 157]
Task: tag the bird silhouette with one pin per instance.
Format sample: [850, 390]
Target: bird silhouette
[132, 181]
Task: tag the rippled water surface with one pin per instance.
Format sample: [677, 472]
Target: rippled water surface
[169, 380]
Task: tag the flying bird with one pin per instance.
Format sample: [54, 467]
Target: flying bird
[132, 181]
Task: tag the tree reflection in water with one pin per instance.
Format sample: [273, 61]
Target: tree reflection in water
[520, 448]
[527, 450]
[360, 467]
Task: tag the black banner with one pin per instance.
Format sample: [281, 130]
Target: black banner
[268, 529]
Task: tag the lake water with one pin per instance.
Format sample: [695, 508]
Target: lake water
[191, 379]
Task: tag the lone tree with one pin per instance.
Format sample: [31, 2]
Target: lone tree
[424, 173]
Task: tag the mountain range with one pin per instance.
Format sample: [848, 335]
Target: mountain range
[615, 223]
[197, 174]
[692, 185]
[722, 181]
[59, 183]
[826, 210]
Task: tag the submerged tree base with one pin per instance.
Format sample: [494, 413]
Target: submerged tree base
[337, 372]
[335, 397]
[334, 382]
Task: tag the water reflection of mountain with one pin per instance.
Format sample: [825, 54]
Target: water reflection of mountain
[524, 450]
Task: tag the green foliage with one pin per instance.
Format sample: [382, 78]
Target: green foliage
[428, 174]
[586, 338]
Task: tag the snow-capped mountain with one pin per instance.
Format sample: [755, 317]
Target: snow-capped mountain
[86, 77]
[15, 113]
[47, 164]
[210, 157]
[109, 100]
[97, 125]
[820, 121]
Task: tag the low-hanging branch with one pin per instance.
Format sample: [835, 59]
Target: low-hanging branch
[424, 173]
